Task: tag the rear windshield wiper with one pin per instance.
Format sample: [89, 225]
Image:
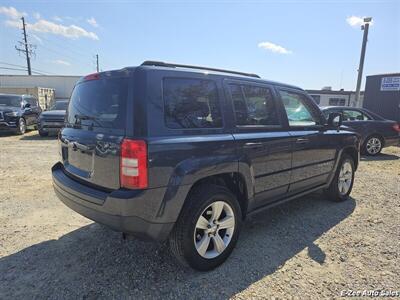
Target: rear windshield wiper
[80, 117]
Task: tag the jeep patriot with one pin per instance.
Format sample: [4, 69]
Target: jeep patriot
[184, 153]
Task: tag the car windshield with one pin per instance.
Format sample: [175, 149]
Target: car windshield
[62, 105]
[8, 100]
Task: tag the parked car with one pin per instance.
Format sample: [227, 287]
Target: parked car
[376, 132]
[185, 153]
[18, 112]
[52, 120]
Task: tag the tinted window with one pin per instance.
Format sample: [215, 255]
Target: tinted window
[32, 102]
[354, 115]
[191, 103]
[253, 105]
[297, 112]
[6, 100]
[99, 103]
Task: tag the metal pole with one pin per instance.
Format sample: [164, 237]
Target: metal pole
[28, 60]
[97, 63]
[362, 57]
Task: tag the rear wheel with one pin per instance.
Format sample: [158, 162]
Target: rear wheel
[207, 229]
[21, 126]
[342, 184]
[373, 145]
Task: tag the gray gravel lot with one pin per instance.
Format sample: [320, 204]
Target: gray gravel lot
[309, 248]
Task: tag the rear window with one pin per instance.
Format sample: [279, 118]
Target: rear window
[191, 103]
[99, 103]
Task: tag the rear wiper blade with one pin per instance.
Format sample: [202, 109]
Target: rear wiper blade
[83, 117]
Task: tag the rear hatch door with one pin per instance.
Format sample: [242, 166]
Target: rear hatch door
[95, 126]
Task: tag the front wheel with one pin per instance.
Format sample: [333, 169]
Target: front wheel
[342, 184]
[21, 126]
[207, 229]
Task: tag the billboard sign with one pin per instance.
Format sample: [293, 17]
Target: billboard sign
[390, 83]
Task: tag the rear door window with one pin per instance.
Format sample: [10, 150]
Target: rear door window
[191, 103]
[253, 105]
[99, 103]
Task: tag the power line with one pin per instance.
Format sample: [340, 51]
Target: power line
[14, 65]
[20, 69]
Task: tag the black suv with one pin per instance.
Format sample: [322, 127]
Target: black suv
[185, 153]
[18, 112]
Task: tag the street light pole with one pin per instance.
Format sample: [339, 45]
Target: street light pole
[364, 27]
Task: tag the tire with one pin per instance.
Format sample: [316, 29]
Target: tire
[373, 145]
[342, 183]
[42, 133]
[187, 236]
[21, 126]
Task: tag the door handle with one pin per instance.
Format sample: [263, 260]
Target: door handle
[302, 141]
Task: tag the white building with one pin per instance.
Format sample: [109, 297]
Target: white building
[329, 97]
[62, 85]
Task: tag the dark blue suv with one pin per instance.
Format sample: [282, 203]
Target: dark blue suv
[185, 153]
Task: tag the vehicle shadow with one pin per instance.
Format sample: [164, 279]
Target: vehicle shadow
[37, 137]
[94, 262]
[380, 157]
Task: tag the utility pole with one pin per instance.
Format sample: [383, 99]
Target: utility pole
[97, 63]
[27, 47]
[364, 27]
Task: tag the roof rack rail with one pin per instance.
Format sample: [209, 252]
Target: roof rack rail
[172, 65]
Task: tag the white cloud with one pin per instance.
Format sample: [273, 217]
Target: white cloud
[355, 21]
[57, 19]
[71, 31]
[36, 15]
[61, 62]
[12, 12]
[37, 38]
[274, 48]
[92, 21]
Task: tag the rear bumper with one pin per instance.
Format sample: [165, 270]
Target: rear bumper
[50, 126]
[131, 212]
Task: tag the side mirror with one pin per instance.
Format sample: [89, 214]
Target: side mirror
[335, 120]
[27, 105]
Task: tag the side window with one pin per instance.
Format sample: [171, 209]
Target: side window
[32, 102]
[254, 105]
[296, 109]
[354, 115]
[191, 103]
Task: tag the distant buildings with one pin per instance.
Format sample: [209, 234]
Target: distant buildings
[48, 87]
[328, 97]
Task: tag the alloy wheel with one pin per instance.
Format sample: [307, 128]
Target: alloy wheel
[22, 126]
[345, 177]
[374, 145]
[214, 229]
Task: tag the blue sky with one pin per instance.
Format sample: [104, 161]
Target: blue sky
[307, 43]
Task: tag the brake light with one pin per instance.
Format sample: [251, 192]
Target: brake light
[133, 164]
[94, 76]
[396, 127]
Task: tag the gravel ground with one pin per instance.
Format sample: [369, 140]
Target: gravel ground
[308, 248]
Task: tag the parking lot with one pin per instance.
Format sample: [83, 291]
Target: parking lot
[309, 248]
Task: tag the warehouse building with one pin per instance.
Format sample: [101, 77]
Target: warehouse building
[328, 97]
[382, 95]
[47, 88]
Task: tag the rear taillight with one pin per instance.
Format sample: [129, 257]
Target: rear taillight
[94, 76]
[133, 164]
[396, 127]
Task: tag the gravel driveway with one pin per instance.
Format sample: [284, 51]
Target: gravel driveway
[308, 248]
